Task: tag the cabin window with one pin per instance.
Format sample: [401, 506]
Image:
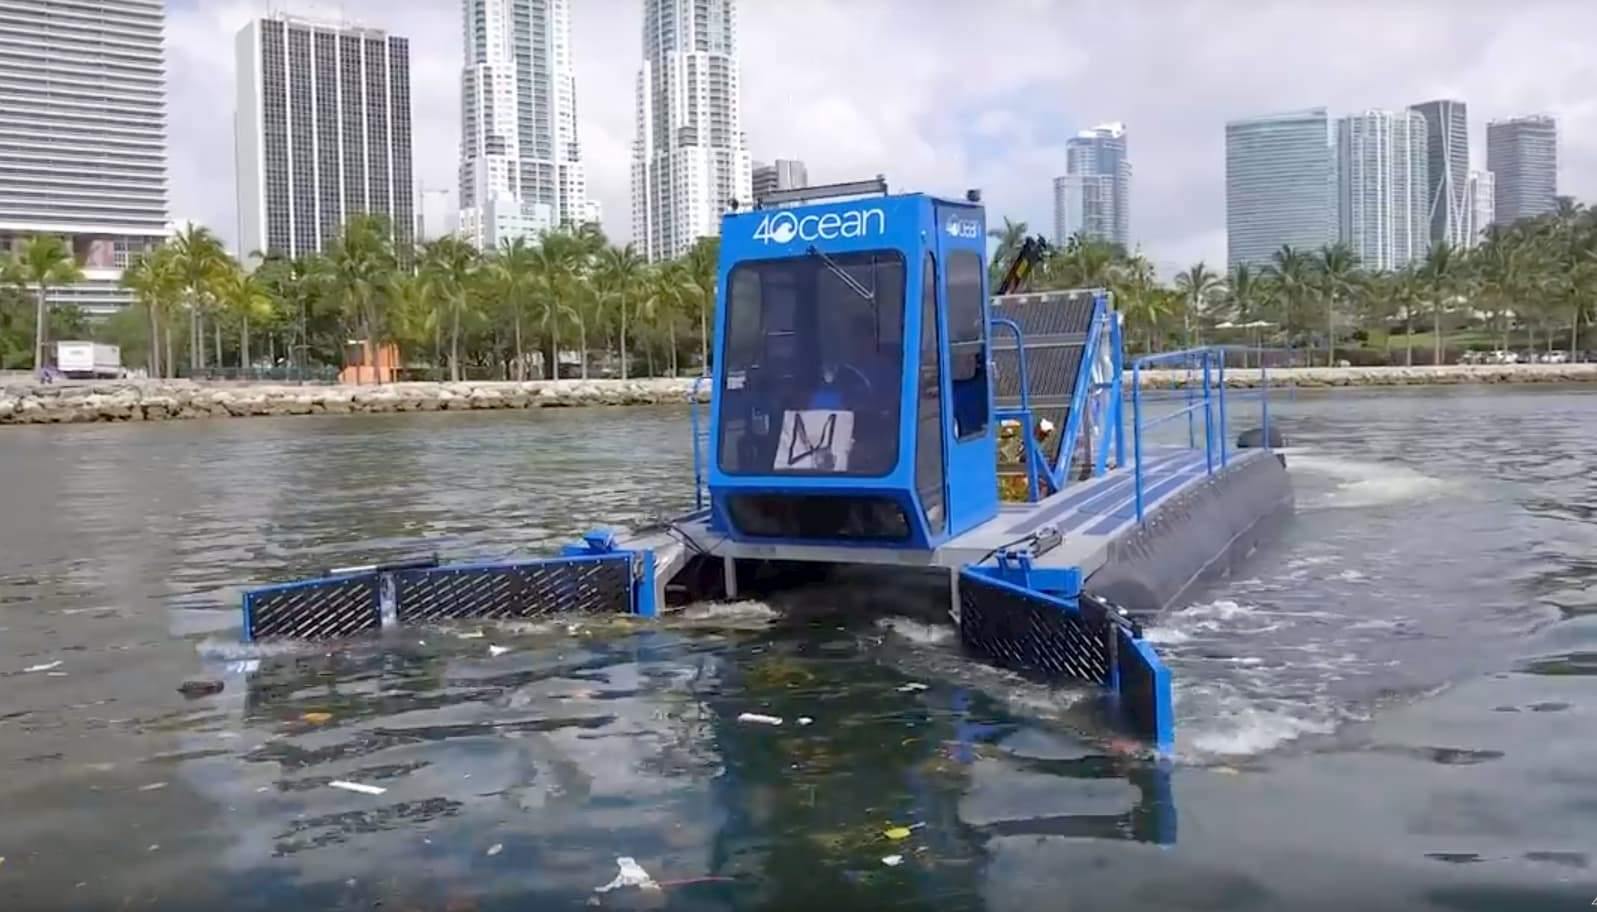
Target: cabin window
[813, 371]
[929, 418]
[967, 344]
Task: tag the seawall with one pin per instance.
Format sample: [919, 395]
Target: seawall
[157, 400]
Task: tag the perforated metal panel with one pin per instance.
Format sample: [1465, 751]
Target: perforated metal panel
[523, 590]
[1030, 632]
[1054, 329]
[320, 609]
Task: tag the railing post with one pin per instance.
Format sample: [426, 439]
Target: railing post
[1208, 419]
[1225, 431]
[693, 416]
[1192, 432]
[1264, 399]
[1136, 434]
[1118, 396]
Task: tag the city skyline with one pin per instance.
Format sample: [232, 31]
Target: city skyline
[1447, 164]
[83, 144]
[928, 125]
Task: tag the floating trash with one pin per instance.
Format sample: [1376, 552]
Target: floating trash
[893, 861]
[495, 849]
[45, 667]
[316, 718]
[357, 787]
[630, 875]
[760, 719]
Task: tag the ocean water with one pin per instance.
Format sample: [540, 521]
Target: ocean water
[1389, 708]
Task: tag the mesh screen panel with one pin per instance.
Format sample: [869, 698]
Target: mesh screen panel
[317, 610]
[1030, 632]
[524, 590]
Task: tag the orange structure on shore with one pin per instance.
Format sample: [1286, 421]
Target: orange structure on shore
[361, 367]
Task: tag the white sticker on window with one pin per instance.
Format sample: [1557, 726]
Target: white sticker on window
[815, 440]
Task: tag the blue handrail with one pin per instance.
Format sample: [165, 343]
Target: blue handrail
[1023, 414]
[1209, 399]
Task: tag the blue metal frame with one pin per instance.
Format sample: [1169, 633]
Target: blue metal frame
[1208, 364]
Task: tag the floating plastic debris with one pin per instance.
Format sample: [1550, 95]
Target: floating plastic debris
[200, 688]
[897, 833]
[357, 787]
[45, 667]
[630, 875]
[893, 861]
[760, 719]
[471, 635]
[316, 718]
[495, 849]
[806, 720]
[497, 651]
[912, 687]
[152, 787]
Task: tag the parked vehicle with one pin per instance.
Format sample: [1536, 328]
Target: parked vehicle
[88, 360]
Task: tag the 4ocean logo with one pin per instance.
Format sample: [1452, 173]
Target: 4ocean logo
[957, 227]
[786, 227]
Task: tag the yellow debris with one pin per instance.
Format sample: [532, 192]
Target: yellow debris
[897, 833]
[317, 718]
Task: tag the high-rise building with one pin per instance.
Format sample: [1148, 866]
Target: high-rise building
[1093, 198]
[690, 160]
[323, 133]
[1482, 213]
[1522, 154]
[83, 135]
[1279, 185]
[785, 174]
[521, 170]
[436, 214]
[1383, 187]
[1447, 164]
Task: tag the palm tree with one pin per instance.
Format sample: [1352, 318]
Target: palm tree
[198, 258]
[45, 261]
[1010, 238]
[156, 285]
[1337, 268]
[359, 268]
[1442, 276]
[293, 285]
[1244, 293]
[620, 272]
[701, 264]
[559, 261]
[1291, 273]
[513, 273]
[448, 266]
[1197, 285]
[244, 297]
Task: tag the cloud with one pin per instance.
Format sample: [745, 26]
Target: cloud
[943, 96]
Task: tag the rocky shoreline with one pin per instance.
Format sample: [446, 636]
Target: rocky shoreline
[158, 400]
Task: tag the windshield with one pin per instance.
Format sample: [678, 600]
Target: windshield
[813, 365]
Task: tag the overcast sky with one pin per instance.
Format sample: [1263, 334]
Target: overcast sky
[943, 95]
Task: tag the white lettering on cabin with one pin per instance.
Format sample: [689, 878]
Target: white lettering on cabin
[785, 227]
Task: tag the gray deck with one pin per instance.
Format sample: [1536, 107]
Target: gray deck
[1089, 515]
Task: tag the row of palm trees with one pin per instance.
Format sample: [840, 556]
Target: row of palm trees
[1538, 275]
[497, 313]
[492, 313]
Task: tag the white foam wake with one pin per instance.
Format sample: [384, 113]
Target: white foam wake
[1365, 484]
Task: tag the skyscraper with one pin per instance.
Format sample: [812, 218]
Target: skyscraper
[784, 174]
[689, 160]
[1383, 187]
[1279, 185]
[1522, 154]
[521, 170]
[323, 133]
[83, 135]
[1093, 198]
[1447, 164]
[1482, 193]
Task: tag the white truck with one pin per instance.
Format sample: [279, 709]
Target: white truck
[88, 360]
